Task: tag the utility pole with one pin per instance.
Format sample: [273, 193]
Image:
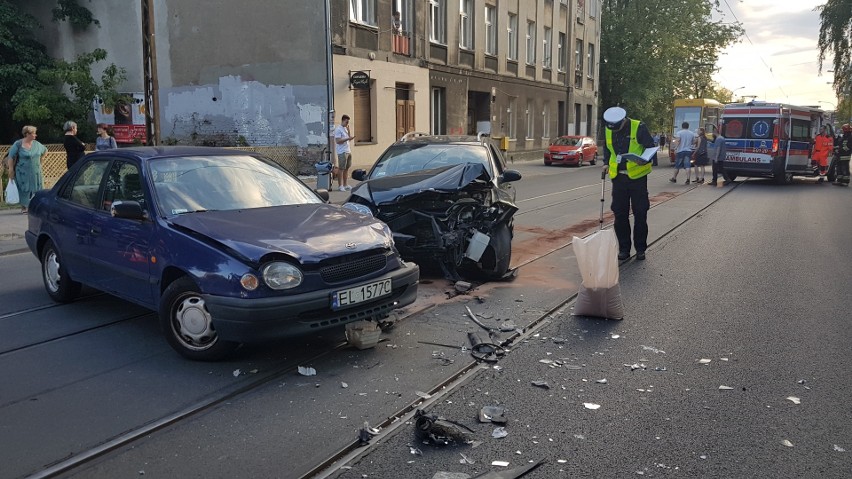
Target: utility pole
[149, 66]
[329, 62]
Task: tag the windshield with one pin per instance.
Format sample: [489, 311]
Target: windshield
[563, 141]
[409, 158]
[689, 114]
[208, 183]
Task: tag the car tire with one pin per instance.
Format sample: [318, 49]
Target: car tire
[547, 163]
[594, 160]
[188, 325]
[731, 178]
[59, 285]
[498, 256]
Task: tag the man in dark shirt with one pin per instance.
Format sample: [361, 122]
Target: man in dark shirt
[629, 179]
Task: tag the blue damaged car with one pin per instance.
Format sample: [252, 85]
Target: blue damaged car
[227, 246]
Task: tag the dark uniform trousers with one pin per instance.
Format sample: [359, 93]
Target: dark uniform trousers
[627, 193]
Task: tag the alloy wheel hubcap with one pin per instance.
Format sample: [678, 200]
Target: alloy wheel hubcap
[51, 272]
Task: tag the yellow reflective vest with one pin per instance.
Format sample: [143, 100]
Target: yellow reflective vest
[634, 171]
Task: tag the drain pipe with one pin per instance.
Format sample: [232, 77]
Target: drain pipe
[329, 72]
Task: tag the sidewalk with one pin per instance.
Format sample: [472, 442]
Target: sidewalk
[12, 227]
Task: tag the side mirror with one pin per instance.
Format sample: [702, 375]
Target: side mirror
[359, 175]
[509, 176]
[323, 193]
[130, 210]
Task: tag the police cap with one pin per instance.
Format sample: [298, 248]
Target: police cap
[614, 116]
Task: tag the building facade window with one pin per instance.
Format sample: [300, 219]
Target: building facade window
[439, 112]
[548, 45]
[437, 21]
[590, 61]
[530, 120]
[363, 11]
[466, 24]
[560, 52]
[530, 43]
[578, 55]
[512, 54]
[545, 125]
[406, 12]
[490, 30]
[513, 118]
[593, 8]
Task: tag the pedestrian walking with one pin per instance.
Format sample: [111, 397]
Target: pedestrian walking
[717, 150]
[844, 147]
[342, 137]
[74, 148]
[683, 151]
[663, 139]
[700, 156]
[25, 158]
[629, 179]
[104, 141]
[823, 146]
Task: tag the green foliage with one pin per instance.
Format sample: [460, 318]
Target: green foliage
[654, 51]
[77, 15]
[47, 104]
[835, 39]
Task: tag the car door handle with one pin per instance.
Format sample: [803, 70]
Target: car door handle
[95, 231]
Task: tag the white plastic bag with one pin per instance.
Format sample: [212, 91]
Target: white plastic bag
[12, 197]
[597, 257]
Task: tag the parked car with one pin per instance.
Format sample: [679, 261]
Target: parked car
[227, 246]
[571, 150]
[448, 200]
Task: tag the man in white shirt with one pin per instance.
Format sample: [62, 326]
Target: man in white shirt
[344, 154]
[683, 153]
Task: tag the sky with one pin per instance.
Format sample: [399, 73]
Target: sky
[778, 60]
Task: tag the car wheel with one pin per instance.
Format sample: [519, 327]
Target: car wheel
[188, 325]
[497, 257]
[731, 178]
[580, 162]
[547, 163]
[59, 285]
[594, 160]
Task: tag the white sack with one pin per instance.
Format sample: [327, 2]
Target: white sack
[597, 256]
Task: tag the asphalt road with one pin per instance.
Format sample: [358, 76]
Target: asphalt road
[76, 377]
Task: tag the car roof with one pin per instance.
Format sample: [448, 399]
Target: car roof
[150, 152]
[574, 136]
[444, 139]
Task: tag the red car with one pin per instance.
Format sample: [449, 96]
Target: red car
[571, 150]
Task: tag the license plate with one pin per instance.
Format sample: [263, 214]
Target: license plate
[359, 294]
[557, 157]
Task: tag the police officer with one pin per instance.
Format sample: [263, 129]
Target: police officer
[629, 179]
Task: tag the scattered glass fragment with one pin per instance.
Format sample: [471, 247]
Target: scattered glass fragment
[573, 366]
[415, 451]
[615, 336]
[579, 436]
[541, 383]
[561, 461]
[801, 381]
[794, 399]
[703, 456]
[654, 350]
[466, 460]
[546, 361]
[498, 368]
[500, 463]
[660, 368]
[423, 395]
[307, 371]
[590, 405]
[518, 453]
[499, 432]
[344, 385]
[237, 372]
[787, 443]
[253, 371]
[724, 359]
[705, 361]
[601, 381]
[838, 448]
[726, 388]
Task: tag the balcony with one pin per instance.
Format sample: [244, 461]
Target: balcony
[401, 43]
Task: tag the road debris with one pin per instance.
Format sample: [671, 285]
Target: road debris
[423, 395]
[500, 463]
[787, 443]
[495, 414]
[591, 405]
[726, 388]
[466, 460]
[615, 336]
[654, 350]
[450, 475]
[602, 381]
[307, 371]
[344, 385]
[236, 372]
[794, 399]
[440, 431]
[635, 366]
[511, 473]
[541, 383]
[484, 351]
[705, 361]
[838, 448]
[415, 451]
[499, 432]
[462, 286]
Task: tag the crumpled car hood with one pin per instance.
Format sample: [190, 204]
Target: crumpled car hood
[397, 188]
[308, 233]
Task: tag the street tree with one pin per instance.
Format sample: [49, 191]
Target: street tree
[653, 51]
[46, 92]
[835, 40]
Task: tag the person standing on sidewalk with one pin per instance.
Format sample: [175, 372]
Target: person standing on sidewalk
[844, 146]
[629, 179]
[701, 157]
[683, 154]
[717, 151]
[27, 167]
[74, 148]
[342, 137]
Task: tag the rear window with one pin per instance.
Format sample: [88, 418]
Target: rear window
[567, 141]
[744, 127]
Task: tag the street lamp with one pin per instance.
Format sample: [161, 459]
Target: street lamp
[734, 91]
[830, 103]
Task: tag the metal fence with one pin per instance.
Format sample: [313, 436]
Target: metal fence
[53, 162]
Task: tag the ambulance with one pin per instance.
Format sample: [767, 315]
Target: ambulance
[770, 140]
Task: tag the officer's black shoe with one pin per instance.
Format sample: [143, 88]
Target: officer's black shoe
[623, 255]
[640, 255]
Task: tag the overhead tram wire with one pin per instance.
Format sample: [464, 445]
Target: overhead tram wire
[758, 54]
